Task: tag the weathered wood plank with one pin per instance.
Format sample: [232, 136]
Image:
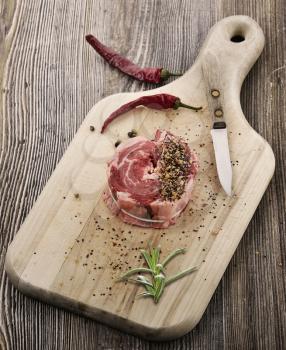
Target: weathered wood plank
[254, 301]
[248, 309]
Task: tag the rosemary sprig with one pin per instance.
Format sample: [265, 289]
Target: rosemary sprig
[154, 288]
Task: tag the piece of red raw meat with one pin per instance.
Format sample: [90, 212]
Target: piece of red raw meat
[150, 182]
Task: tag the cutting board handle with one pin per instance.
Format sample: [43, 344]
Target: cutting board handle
[230, 50]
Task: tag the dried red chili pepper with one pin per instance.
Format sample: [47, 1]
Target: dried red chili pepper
[150, 75]
[159, 101]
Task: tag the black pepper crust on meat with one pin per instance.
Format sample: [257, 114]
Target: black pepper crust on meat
[175, 166]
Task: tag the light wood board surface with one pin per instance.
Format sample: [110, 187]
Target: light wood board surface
[247, 308]
[71, 249]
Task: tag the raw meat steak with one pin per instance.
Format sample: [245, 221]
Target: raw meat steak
[150, 182]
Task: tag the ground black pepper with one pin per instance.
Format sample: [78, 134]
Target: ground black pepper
[174, 170]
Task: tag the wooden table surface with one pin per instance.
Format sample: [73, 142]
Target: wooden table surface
[50, 79]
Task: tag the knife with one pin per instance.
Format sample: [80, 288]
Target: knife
[214, 93]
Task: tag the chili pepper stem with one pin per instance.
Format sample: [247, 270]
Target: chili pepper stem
[165, 74]
[181, 104]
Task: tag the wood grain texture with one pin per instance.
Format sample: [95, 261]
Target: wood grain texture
[248, 308]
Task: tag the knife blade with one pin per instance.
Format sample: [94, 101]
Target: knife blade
[222, 157]
[214, 93]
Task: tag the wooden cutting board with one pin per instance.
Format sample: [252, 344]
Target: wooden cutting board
[71, 249]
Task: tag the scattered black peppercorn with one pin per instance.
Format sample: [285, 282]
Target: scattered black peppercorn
[76, 195]
[91, 128]
[117, 143]
[132, 133]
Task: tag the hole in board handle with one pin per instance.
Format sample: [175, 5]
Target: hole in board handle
[237, 38]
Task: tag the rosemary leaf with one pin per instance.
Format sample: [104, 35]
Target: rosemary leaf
[158, 268]
[172, 255]
[144, 280]
[145, 294]
[149, 288]
[180, 275]
[133, 271]
[159, 286]
[155, 255]
[148, 259]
